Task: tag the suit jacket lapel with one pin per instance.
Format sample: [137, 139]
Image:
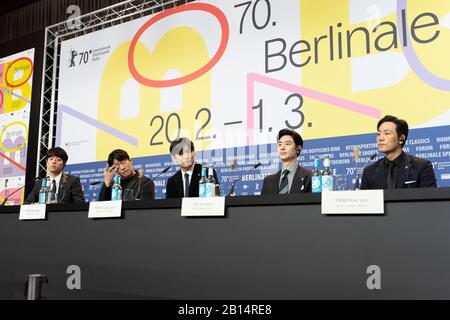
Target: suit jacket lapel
[298, 182]
[62, 186]
[381, 173]
[196, 175]
[276, 182]
[402, 173]
[179, 182]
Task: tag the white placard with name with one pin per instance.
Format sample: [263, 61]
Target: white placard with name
[105, 209]
[203, 207]
[32, 212]
[353, 202]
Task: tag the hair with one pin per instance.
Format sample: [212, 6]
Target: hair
[118, 155]
[295, 136]
[176, 147]
[58, 152]
[401, 126]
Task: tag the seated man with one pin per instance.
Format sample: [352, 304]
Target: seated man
[67, 187]
[397, 169]
[119, 161]
[295, 179]
[184, 183]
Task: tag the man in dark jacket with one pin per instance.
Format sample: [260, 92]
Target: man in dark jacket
[184, 183]
[119, 162]
[397, 169]
[66, 187]
[293, 178]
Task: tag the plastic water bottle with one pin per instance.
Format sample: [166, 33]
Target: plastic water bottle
[327, 175]
[210, 183]
[43, 192]
[116, 192]
[316, 177]
[202, 184]
[48, 190]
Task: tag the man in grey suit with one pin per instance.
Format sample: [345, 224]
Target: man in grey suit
[293, 178]
[67, 187]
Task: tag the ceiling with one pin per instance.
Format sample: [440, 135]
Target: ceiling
[7, 6]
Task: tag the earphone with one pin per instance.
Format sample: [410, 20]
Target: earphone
[401, 140]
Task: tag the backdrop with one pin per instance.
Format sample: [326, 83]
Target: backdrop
[230, 74]
[15, 102]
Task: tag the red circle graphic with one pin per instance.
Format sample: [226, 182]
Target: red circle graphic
[21, 83]
[194, 75]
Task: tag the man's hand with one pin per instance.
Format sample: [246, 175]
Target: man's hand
[108, 175]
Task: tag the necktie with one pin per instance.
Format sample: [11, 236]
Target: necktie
[186, 184]
[390, 179]
[284, 183]
[53, 186]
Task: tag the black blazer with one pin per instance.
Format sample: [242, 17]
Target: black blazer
[143, 189]
[69, 190]
[417, 173]
[175, 188]
[300, 183]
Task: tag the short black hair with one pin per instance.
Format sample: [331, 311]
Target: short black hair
[118, 155]
[401, 126]
[58, 152]
[176, 147]
[295, 135]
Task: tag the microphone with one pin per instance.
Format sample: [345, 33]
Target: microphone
[164, 171]
[8, 196]
[356, 187]
[239, 178]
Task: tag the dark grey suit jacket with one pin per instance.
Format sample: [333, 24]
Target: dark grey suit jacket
[300, 183]
[416, 173]
[70, 190]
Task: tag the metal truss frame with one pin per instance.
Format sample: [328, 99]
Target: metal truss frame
[85, 24]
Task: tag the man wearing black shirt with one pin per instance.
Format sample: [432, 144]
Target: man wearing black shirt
[397, 169]
[119, 161]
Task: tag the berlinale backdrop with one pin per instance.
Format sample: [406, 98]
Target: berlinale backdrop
[230, 74]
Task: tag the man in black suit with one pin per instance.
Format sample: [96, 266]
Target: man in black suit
[119, 162]
[184, 183]
[397, 169]
[65, 186]
[292, 178]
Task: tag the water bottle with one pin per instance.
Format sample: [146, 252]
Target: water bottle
[116, 192]
[202, 184]
[316, 177]
[327, 175]
[43, 192]
[48, 189]
[210, 183]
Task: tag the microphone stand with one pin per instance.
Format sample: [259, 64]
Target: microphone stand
[231, 192]
[15, 191]
[357, 184]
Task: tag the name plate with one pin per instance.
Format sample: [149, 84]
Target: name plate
[32, 212]
[203, 207]
[105, 209]
[353, 202]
